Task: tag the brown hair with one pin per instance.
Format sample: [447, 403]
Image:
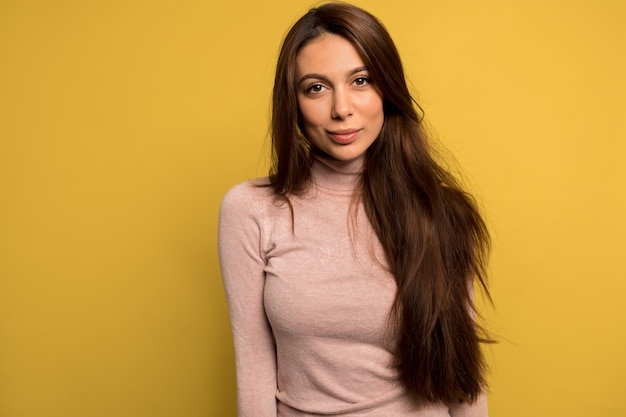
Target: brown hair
[435, 241]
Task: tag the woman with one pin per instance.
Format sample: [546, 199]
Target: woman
[349, 270]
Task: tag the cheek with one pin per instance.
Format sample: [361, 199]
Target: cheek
[311, 112]
[378, 114]
[376, 105]
[370, 105]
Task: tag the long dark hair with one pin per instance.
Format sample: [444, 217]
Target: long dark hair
[435, 241]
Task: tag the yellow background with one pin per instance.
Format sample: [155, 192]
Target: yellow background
[122, 124]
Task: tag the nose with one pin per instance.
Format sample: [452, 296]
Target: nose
[342, 105]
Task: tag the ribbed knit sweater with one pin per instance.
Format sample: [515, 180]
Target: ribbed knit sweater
[309, 306]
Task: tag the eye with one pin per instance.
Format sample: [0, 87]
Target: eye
[315, 88]
[360, 81]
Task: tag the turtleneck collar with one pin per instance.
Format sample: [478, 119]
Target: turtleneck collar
[335, 175]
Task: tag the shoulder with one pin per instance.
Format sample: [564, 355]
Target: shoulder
[243, 216]
[257, 189]
[246, 197]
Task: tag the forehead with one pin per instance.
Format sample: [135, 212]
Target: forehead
[327, 54]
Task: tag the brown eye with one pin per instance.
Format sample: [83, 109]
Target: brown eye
[315, 88]
[361, 81]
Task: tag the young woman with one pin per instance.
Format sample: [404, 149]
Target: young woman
[349, 270]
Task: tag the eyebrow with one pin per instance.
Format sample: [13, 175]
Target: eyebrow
[322, 77]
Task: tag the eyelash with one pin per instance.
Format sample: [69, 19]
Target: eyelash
[359, 81]
[310, 88]
[364, 80]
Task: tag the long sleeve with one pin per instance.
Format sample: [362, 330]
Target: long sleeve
[242, 265]
[309, 306]
[477, 409]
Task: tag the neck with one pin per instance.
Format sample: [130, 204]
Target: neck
[337, 175]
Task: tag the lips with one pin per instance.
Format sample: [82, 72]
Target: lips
[344, 136]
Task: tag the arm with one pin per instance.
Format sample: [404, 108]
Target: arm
[242, 263]
[477, 409]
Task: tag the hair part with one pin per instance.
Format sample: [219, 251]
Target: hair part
[435, 241]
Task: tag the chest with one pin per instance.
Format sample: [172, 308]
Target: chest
[328, 278]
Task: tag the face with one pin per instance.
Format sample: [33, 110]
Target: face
[340, 108]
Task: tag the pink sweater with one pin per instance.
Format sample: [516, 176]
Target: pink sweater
[310, 310]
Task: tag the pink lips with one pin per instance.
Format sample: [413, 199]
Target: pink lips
[344, 136]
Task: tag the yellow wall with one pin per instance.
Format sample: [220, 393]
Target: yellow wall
[122, 123]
